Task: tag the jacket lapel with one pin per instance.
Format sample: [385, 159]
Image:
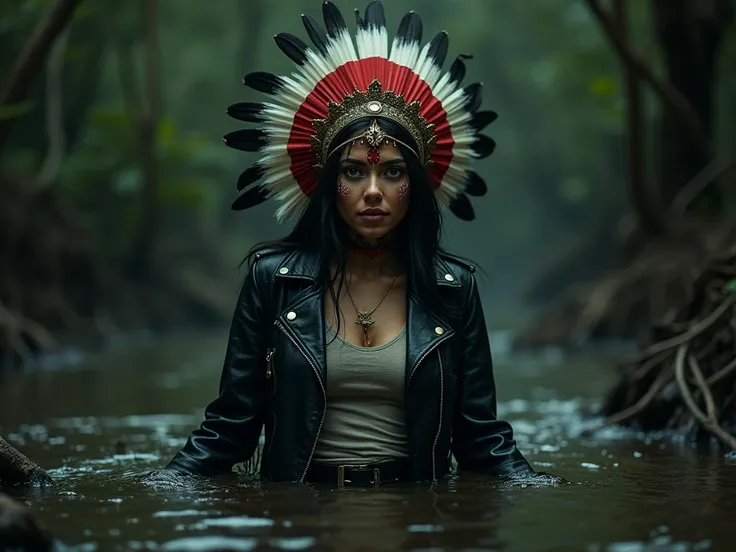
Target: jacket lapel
[303, 318]
[425, 329]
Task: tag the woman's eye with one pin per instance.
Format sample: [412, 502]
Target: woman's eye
[353, 172]
[394, 172]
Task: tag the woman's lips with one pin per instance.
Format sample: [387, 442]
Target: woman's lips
[372, 217]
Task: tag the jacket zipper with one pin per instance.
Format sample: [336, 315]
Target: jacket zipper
[269, 374]
[269, 363]
[324, 394]
[442, 394]
[439, 427]
[427, 352]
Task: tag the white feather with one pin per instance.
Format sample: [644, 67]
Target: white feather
[372, 42]
[404, 53]
[427, 69]
[444, 88]
[292, 200]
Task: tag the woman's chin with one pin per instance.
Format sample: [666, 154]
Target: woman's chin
[372, 236]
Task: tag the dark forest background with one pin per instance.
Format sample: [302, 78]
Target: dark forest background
[615, 133]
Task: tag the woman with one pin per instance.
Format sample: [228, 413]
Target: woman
[357, 342]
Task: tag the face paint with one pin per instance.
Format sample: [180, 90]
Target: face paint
[342, 190]
[403, 191]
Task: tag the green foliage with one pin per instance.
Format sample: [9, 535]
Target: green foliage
[104, 176]
[730, 285]
[15, 111]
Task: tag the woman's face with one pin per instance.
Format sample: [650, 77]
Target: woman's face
[372, 190]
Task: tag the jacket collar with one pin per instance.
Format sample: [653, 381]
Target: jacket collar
[304, 265]
[426, 330]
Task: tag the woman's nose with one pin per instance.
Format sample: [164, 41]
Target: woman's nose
[373, 191]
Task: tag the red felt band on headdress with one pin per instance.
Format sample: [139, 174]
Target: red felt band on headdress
[357, 75]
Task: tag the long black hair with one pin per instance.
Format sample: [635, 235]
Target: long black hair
[320, 228]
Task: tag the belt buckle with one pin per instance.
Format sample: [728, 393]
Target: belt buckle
[341, 474]
[376, 477]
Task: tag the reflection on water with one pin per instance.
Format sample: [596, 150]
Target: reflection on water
[99, 426]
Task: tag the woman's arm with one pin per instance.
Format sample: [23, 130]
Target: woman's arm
[233, 421]
[481, 442]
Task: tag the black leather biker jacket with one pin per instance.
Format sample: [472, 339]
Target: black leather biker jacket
[274, 374]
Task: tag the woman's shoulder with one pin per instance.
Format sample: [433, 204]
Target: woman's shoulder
[460, 265]
[266, 258]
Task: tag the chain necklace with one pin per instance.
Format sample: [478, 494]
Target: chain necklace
[364, 317]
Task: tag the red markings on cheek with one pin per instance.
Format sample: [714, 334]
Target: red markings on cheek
[342, 190]
[402, 192]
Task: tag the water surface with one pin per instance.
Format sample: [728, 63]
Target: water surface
[99, 425]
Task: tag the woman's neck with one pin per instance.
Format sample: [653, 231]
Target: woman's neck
[373, 259]
[373, 264]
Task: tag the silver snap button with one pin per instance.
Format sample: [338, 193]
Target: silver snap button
[283, 270]
[291, 316]
[439, 331]
[449, 277]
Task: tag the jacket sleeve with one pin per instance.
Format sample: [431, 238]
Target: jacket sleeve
[233, 421]
[481, 442]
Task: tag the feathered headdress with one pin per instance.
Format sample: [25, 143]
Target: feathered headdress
[338, 81]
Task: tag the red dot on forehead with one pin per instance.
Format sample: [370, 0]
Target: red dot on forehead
[374, 157]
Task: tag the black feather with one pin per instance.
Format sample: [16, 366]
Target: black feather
[410, 28]
[267, 83]
[316, 32]
[457, 71]
[250, 198]
[438, 48]
[248, 139]
[482, 119]
[475, 185]
[474, 92]
[462, 209]
[483, 146]
[334, 21]
[250, 175]
[375, 16]
[250, 112]
[359, 21]
[293, 46]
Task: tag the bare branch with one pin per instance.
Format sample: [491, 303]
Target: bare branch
[30, 62]
[669, 95]
[645, 201]
[54, 112]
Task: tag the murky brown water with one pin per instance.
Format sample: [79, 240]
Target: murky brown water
[97, 427]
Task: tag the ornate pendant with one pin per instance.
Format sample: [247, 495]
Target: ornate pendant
[365, 320]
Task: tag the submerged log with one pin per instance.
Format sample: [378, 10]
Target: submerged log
[16, 469]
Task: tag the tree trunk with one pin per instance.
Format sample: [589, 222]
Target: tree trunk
[18, 470]
[690, 34]
[146, 237]
[644, 199]
[30, 63]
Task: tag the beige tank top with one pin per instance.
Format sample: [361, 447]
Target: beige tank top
[364, 422]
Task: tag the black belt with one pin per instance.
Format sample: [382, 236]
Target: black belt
[359, 475]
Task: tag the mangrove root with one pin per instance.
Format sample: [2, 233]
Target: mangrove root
[684, 378]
